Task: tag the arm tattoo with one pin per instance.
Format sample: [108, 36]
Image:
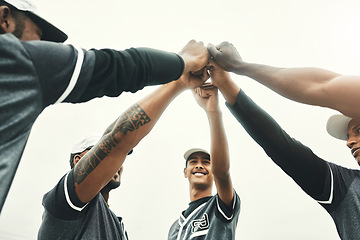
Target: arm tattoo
[132, 119]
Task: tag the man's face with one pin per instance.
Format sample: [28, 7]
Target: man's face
[353, 141]
[19, 24]
[198, 170]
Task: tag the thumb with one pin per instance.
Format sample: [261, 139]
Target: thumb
[212, 50]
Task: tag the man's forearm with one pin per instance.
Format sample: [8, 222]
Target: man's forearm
[219, 145]
[89, 175]
[131, 70]
[220, 162]
[305, 85]
[311, 86]
[296, 160]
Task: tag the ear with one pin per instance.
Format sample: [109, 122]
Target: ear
[76, 159]
[6, 20]
[185, 173]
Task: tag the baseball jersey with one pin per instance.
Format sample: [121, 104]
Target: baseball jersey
[36, 74]
[66, 217]
[334, 187]
[207, 218]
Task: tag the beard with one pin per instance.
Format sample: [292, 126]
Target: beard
[112, 184]
[19, 25]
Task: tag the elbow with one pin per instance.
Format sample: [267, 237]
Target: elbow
[220, 173]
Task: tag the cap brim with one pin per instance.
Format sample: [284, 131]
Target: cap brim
[337, 126]
[194, 150]
[49, 31]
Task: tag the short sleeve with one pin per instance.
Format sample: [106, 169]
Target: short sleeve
[62, 201]
[224, 213]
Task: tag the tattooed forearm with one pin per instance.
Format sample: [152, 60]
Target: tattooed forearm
[88, 163]
[132, 119]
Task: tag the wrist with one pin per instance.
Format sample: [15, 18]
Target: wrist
[230, 91]
[177, 86]
[187, 62]
[213, 110]
[240, 67]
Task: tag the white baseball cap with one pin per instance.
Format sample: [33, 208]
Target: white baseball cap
[194, 150]
[50, 32]
[85, 143]
[337, 126]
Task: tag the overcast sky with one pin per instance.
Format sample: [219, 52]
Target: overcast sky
[284, 33]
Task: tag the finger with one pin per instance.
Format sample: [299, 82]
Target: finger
[212, 50]
[205, 75]
[222, 45]
[207, 86]
[197, 73]
[201, 43]
[205, 93]
[213, 63]
[198, 91]
[195, 91]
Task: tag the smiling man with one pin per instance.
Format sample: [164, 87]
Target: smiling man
[76, 208]
[208, 216]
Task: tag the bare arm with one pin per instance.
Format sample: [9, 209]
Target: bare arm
[220, 162]
[99, 165]
[312, 86]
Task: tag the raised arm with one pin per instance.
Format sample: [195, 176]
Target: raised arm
[312, 86]
[74, 75]
[295, 159]
[97, 167]
[220, 162]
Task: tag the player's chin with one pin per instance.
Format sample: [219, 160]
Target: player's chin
[113, 184]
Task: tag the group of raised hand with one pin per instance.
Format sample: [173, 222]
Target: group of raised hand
[203, 62]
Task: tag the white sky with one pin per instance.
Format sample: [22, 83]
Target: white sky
[284, 33]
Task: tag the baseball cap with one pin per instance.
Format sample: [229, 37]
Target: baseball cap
[194, 150]
[50, 32]
[337, 126]
[87, 143]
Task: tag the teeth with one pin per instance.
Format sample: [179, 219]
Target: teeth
[199, 174]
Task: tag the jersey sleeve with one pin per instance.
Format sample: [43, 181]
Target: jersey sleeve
[62, 201]
[69, 74]
[132, 69]
[298, 161]
[340, 179]
[224, 213]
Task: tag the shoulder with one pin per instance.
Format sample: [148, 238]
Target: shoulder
[224, 213]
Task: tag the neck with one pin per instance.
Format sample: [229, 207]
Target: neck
[196, 194]
[105, 193]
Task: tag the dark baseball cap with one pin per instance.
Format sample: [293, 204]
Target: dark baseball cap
[50, 32]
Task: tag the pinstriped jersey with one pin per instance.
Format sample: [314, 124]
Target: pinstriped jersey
[207, 218]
